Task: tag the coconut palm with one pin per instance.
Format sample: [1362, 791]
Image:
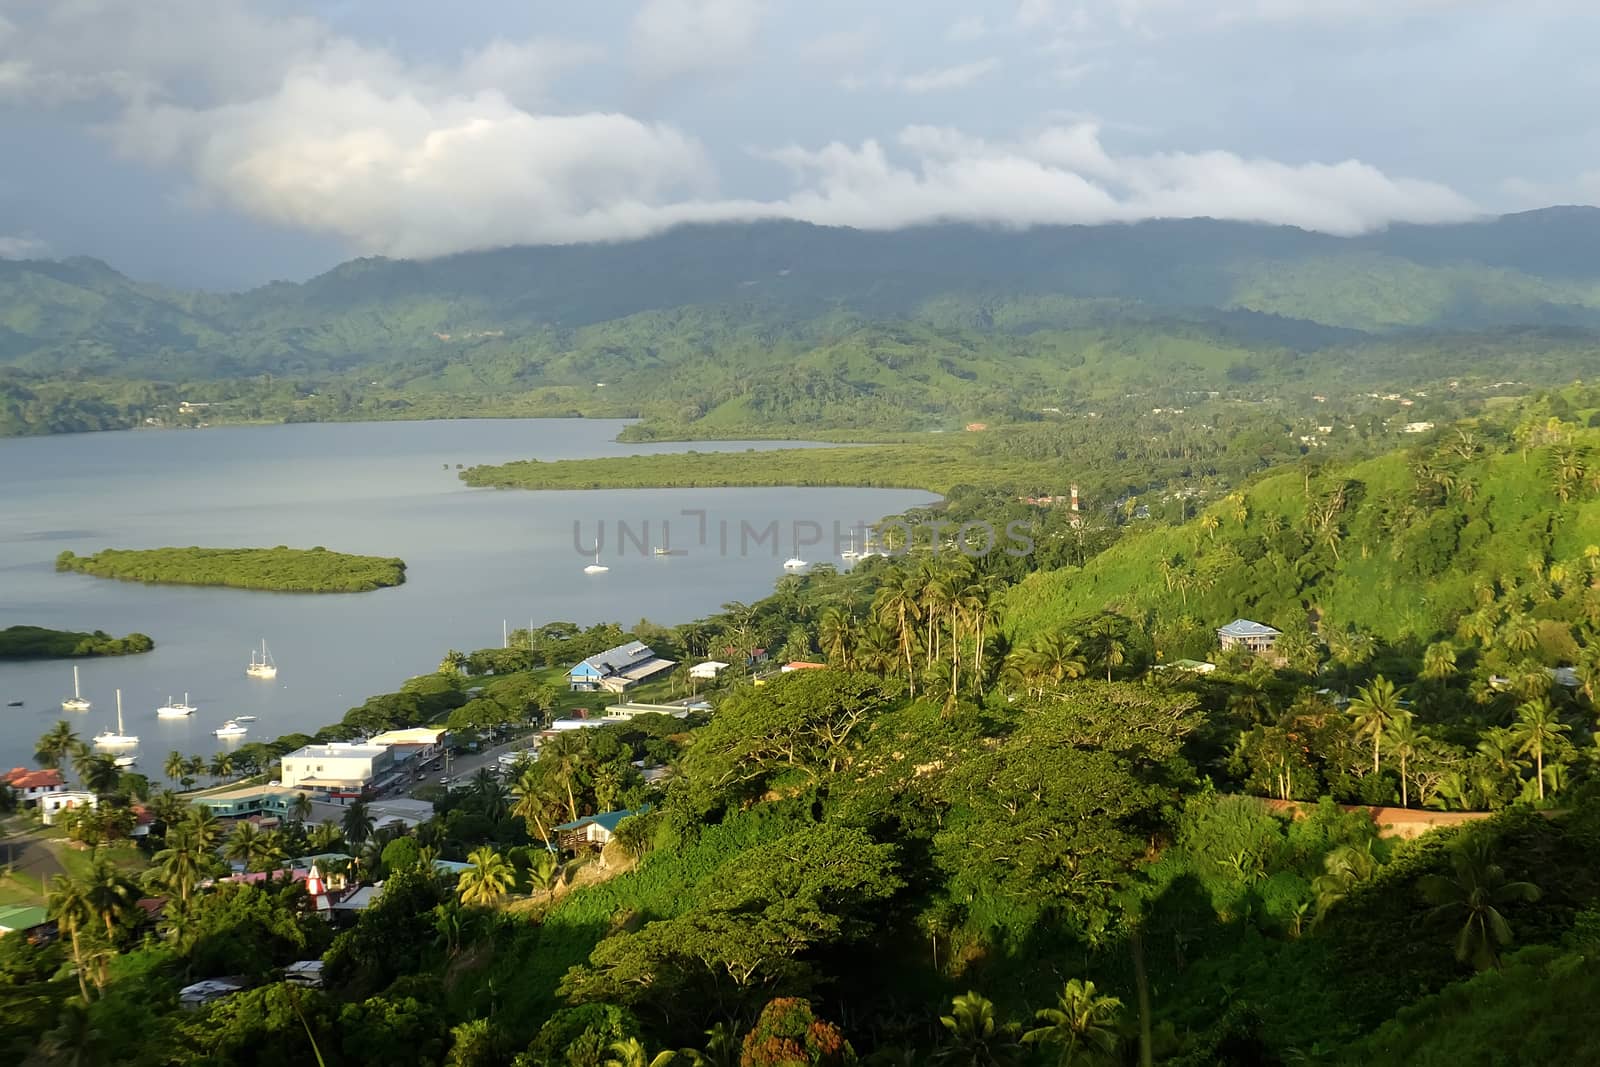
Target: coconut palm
[973, 1038]
[487, 880]
[1537, 731]
[193, 768]
[168, 808]
[324, 836]
[535, 797]
[112, 894]
[99, 773]
[897, 605]
[1476, 893]
[179, 865]
[300, 808]
[1344, 868]
[1439, 661]
[569, 756]
[1083, 1021]
[489, 793]
[1374, 709]
[247, 845]
[631, 1053]
[69, 904]
[1519, 633]
[545, 872]
[1404, 740]
[835, 633]
[57, 745]
[222, 765]
[357, 823]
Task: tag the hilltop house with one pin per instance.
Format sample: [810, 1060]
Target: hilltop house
[592, 831]
[617, 669]
[1253, 636]
[32, 786]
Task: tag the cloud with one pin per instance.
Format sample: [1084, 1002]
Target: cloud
[1525, 193]
[839, 48]
[22, 248]
[956, 77]
[678, 38]
[963, 30]
[1064, 175]
[324, 134]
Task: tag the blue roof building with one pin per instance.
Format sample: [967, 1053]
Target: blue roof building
[617, 669]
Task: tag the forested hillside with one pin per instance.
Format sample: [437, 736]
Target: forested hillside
[718, 330]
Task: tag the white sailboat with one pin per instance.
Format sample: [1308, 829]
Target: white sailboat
[596, 567]
[172, 709]
[850, 553]
[794, 562]
[75, 702]
[263, 667]
[231, 728]
[117, 739]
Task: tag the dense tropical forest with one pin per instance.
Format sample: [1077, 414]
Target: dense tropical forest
[784, 329]
[37, 642]
[280, 569]
[1029, 813]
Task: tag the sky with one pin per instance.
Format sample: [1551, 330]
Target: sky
[226, 143]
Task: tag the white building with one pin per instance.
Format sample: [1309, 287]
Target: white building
[33, 786]
[707, 670]
[51, 805]
[340, 765]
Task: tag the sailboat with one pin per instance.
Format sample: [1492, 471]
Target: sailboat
[230, 729]
[596, 567]
[263, 667]
[850, 553]
[108, 739]
[174, 710]
[794, 562]
[75, 702]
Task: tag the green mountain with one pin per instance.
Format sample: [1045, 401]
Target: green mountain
[1477, 524]
[744, 325]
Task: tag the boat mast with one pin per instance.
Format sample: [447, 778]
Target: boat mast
[119, 712]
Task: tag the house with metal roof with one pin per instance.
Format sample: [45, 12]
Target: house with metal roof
[617, 669]
[1252, 636]
[22, 919]
[592, 831]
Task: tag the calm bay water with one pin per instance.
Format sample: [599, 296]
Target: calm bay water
[474, 557]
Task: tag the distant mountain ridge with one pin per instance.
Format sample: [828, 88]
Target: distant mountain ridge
[785, 317]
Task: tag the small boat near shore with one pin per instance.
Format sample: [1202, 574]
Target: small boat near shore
[231, 728]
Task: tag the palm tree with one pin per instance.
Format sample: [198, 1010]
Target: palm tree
[897, 605]
[178, 866]
[357, 823]
[1081, 1020]
[246, 844]
[75, 1041]
[222, 765]
[489, 793]
[193, 768]
[1404, 740]
[111, 893]
[631, 1053]
[69, 905]
[325, 835]
[1519, 633]
[545, 872]
[1477, 892]
[99, 773]
[974, 1038]
[168, 808]
[1538, 730]
[175, 767]
[570, 757]
[300, 808]
[834, 632]
[487, 880]
[534, 796]
[1344, 868]
[1439, 661]
[58, 743]
[1375, 707]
